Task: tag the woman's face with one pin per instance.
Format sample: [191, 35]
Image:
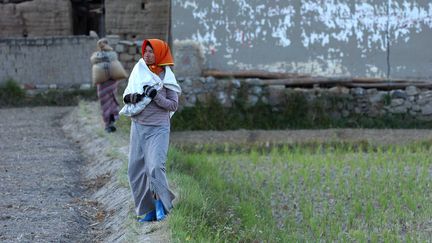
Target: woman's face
[149, 56]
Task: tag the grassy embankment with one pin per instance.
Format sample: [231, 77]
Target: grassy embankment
[333, 192]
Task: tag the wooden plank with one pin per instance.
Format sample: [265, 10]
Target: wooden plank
[251, 74]
[389, 85]
[303, 80]
[307, 81]
[341, 81]
[381, 80]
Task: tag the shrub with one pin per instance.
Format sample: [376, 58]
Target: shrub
[11, 93]
[295, 112]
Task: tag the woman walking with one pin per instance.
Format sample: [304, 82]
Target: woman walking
[105, 76]
[151, 97]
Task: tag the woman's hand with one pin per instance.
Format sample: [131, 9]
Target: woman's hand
[150, 91]
[133, 98]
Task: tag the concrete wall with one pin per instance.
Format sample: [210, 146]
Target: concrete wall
[59, 61]
[371, 38]
[63, 62]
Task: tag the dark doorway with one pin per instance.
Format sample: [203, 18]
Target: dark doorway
[88, 15]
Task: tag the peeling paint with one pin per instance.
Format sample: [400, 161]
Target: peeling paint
[333, 36]
[249, 23]
[374, 71]
[341, 22]
[322, 66]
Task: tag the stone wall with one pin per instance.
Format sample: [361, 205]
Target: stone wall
[35, 18]
[58, 62]
[129, 52]
[339, 101]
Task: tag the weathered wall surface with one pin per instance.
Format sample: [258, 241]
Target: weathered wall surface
[35, 18]
[40, 62]
[137, 19]
[370, 38]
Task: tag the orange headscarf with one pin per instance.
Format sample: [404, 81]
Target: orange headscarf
[162, 54]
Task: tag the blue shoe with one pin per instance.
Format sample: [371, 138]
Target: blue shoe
[160, 211]
[151, 216]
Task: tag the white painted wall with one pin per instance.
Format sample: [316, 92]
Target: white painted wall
[324, 37]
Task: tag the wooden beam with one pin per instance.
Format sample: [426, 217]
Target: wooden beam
[251, 74]
[389, 85]
[303, 80]
[306, 81]
[342, 81]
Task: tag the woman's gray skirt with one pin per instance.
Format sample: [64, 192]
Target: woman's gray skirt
[146, 169]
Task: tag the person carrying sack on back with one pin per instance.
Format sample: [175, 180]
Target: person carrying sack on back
[106, 72]
[151, 98]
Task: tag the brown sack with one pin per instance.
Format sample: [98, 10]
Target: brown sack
[104, 71]
[100, 72]
[117, 71]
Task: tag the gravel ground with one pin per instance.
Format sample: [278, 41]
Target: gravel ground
[40, 190]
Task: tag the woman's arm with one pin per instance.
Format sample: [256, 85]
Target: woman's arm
[169, 103]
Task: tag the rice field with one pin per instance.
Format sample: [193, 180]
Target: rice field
[287, 194]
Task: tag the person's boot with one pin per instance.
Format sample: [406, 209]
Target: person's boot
[150, 216]
[110, 128]
[160, 211]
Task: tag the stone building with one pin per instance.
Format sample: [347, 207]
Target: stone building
[21, 18]
[129, 19]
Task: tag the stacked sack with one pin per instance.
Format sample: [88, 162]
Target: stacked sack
[106, 65]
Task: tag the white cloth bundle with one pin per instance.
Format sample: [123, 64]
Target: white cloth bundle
[140, 76]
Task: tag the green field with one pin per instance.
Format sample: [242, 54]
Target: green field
[319, 193]
[299, 193]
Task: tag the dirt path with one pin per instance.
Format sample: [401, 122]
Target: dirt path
[39, 178]
[106, 176]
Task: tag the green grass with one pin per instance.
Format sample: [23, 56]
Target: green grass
[305, 192]
[320, 193]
